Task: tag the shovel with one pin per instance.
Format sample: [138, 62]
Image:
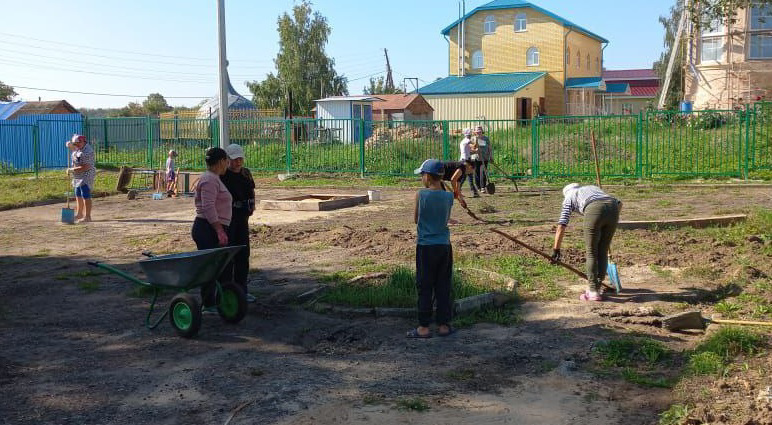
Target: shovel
[694, 320]
[68, 214]
[611, 267]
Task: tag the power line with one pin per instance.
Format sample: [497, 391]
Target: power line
[107, 94]
[78, 71]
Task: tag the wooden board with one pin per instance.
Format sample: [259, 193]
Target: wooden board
[687, 222]
[314, 202]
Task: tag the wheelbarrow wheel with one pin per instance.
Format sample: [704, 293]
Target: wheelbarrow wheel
[185, 315]
[232, 303]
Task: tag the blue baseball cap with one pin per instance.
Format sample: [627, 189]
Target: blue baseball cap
[431, 166]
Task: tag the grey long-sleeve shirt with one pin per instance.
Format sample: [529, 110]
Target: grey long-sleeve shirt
[576, 200]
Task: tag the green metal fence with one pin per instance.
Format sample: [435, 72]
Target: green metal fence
[648, 145]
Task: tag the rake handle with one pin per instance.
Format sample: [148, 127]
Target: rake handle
[536, 251]
[499, 169]
[595, 154]
[740, 322]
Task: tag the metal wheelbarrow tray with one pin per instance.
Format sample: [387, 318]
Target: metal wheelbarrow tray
[182, 272]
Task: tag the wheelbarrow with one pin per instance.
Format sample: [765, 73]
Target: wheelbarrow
[181, 273]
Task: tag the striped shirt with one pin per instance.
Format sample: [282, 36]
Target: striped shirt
[576, 200]
[81, 157]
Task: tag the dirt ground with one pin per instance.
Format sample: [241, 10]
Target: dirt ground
[75, 349]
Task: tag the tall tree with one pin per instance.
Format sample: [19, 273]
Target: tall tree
[133, 109]
[676, 89]
[155, 104]
[378, 86]
[303, 67]
[6, 92]
[703, 12]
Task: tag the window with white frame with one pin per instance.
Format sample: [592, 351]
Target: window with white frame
[521, 22]
[489, 26]
[477, 60]
[578, 59]
[588, 61]
[532, 57]
[760, 32]
[568, 56]
[712, 49]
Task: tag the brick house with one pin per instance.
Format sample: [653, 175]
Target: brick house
[519, 38]
[728, 66]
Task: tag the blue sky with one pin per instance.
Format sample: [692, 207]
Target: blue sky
[145, 46]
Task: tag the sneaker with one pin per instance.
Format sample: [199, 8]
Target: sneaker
[591, 296]
[251, 298]
[209, 310]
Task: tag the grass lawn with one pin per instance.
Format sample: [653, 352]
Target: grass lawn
[17, 190]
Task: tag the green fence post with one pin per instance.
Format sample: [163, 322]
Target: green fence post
[149, 152]
[747, 137]
[445, 141]
[36, 149]
[362, 148]
[288, 140]
[534, 147]
[639, 147]
[104, 132]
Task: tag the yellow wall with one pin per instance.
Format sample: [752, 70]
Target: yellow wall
[489, 106]
[505, 50]
[578, 42]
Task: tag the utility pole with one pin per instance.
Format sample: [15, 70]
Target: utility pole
[389, 86]
[223, 71]
[673, 55]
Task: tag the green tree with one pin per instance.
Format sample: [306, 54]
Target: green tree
[703, 12]
[6, 92]
[155, 104]
[676, 90]
[378, 86]
[133, 109]
[303, 67]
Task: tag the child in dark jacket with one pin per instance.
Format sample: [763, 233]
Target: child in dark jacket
[434, 255]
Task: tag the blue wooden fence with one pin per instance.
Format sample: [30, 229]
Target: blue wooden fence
[36, 142]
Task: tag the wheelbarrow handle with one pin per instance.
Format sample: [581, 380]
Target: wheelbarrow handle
[93, 263]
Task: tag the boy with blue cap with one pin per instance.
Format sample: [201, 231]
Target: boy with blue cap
[434, 255]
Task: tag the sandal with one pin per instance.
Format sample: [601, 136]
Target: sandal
[413, 333]
[451, 331]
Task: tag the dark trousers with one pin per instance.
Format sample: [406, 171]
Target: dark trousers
[434, 279]
[600, 223]
[481, 174]
[471, 183]
[238, 234]
[205, 237]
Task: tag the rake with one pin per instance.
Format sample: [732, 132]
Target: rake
[695, 320]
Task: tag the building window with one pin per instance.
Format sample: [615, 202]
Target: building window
[588, 61]
[627, 109]
[532, 57]
[489, 27]
[761, 18]
[761, 46]
[477, 60]
[712, 49]
[521, 22]
[578, 60]
[568, 56]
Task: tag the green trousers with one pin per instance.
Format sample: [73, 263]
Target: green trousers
[600, 223]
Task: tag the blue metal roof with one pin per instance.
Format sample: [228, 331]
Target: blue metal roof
[585, 83]
[618, 88]
[9, 108]
[482, 83]
[515, 4]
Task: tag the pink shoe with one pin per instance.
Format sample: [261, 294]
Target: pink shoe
[591, 296]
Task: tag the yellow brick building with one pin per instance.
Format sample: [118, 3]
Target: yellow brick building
[728, 66]
[518, 38]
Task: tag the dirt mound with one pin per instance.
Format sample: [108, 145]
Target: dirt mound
[339, 340]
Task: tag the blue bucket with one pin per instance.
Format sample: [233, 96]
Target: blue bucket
[68, 216]
[613, 276]
[686, 107]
